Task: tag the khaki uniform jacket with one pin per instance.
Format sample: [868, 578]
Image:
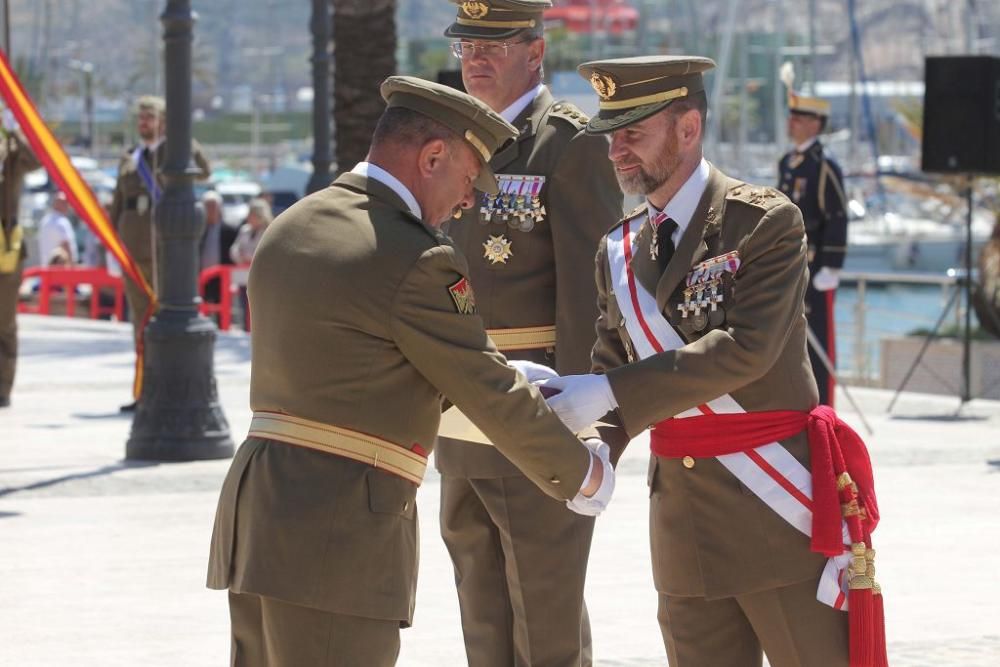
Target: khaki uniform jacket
[134, 228]
[710, 536]
[546, 281]
[355, 325]
[17, 159]
[22, 160]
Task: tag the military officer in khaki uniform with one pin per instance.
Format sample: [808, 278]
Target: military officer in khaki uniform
[17, 160]
[518, 555]
[701, 312]
[364, 319]
[136, 194]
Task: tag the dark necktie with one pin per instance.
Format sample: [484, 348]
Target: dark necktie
[661, 245]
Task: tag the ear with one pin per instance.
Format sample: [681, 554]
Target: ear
[536, 54]
[689, 129]
[431, 157]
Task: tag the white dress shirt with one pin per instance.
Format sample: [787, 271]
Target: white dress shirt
[375, 172]
[521, 103]
[682, 205]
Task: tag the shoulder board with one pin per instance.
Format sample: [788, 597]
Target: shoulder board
[760, 196]
[569, 112]
[641, 208]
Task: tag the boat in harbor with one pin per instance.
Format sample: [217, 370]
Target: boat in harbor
[913, 227]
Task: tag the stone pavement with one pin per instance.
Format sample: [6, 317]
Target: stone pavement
[102, 561]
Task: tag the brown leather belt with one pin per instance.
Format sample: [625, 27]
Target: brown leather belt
[349, 444]
[524, 338]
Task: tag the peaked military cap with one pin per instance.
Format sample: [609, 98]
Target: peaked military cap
[151, 103]
[496, 19]
[632, 89]
[481, 127]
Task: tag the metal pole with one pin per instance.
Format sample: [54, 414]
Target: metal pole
[6, 30]
[779, 91]
[718, 99]
[967, 337]
[860, 347]
[178, 417]
[812, 46]
[320, 25]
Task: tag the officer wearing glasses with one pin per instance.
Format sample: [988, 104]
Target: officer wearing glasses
[520, 557]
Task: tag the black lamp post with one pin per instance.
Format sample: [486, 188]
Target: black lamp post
[320, 24]
[178, 416]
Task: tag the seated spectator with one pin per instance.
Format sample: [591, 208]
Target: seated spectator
[56, 233]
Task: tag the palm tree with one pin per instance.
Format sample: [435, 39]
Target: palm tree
[364, 38]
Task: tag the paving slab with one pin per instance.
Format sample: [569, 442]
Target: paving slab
[102, 561]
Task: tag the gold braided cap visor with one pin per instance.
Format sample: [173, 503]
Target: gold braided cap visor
[483, 145]
[810, 105]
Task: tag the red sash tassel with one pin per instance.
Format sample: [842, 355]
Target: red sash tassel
[834, 449]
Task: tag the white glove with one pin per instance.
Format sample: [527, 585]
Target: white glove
[534, 372]
[582, 399]
[598, 502]
[826, 279]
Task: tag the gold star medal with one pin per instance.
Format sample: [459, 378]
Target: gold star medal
[497, 249]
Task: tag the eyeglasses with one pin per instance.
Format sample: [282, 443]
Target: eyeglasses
[488, 49]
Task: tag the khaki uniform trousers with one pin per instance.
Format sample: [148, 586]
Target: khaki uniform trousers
[9, 285]
[789, 624]
[270, 633]
[520, 562]
[137, 300]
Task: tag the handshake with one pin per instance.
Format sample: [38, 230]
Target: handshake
[579, 401]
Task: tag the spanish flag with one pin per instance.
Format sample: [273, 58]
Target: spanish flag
[51, 154]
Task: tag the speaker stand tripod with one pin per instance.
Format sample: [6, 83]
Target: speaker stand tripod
[963, 285]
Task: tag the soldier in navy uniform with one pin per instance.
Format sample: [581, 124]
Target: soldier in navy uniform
[811, 179]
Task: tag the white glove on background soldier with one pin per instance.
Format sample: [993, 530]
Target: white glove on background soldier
[582, 399]
[534, 372]
[597, 503]
[826, 279]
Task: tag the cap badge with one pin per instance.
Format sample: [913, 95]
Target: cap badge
[475, 10]
[604, 85]
[497, 249]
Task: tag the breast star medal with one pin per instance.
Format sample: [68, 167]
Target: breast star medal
[497, 249]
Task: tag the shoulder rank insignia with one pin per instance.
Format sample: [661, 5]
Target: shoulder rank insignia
[463, 296]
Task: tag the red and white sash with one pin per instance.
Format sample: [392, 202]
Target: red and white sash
[769, 471]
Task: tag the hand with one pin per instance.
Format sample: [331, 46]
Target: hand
[826, 279]
[534, 372]
[582, 399]
[600, 482]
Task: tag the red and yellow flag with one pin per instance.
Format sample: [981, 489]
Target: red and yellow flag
[51, 154]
